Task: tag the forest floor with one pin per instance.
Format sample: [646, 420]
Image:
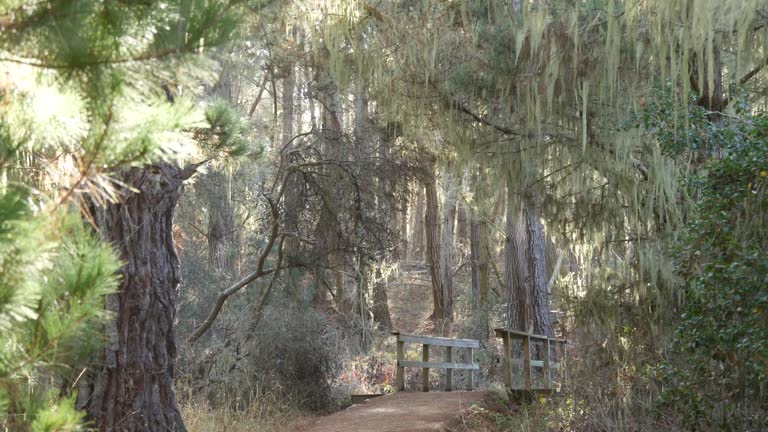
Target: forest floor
[403, 412]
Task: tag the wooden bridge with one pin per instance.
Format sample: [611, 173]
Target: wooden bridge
[532, 363]
[449, 365]
[529, 361]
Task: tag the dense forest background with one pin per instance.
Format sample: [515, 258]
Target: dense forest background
[214, 212]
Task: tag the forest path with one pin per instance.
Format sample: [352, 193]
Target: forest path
[402, 412]
[410, 298]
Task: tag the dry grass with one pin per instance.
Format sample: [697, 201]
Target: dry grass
[265, 414]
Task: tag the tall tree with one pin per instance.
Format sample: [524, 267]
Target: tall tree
[115, 66]
[417, 225]
[478, 262]
[536, 276]
[442, 292]
[516, 284]
[127, 392]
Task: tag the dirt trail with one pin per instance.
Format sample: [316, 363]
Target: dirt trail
[401, 412]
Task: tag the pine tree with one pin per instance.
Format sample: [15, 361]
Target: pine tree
[95, 126]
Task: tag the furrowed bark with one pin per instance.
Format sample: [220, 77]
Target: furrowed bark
[537, 275]
[132, 388]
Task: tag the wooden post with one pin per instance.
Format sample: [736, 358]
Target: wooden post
[507, 360]
[471, 373]
[425, 371]
[449, 371]
[400, 367]
[527, 361]
[547, 376]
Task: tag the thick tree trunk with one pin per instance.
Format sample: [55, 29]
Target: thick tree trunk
[537, 274]
[440, 291]
[517, 289]
[132, 389]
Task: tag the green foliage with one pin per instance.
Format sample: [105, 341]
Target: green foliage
[54, 275]
[82, 95]
[677, 127]
[719, 368]
[228, 130]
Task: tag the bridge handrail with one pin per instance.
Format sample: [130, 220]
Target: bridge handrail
[426, 365]
[526, 362]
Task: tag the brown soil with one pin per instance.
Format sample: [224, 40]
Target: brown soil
[402, 412]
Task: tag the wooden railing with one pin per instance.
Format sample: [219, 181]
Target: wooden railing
[449, 365]
[551, 353]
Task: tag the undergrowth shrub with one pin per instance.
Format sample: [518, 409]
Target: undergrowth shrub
[295, 349]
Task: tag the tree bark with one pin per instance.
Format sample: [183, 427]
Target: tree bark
[440, 290]
[402, 252]
[293, 187]
[478, 263]
[447, 242]
[417, 240]
[132, 389]
[461, 223]
[380, 307]
[517, 289]
[222, 244]
[537, 274]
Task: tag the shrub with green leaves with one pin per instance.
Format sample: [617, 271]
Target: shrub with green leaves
[717, 377]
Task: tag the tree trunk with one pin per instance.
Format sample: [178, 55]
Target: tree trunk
[439, 285]
[222, 244]
[417, 239]
[517, 289]
[292, 190]
[446, 243]
[132, 389]
[462, 232]
[478, 263]
[402, 252]
[380, 307]
[537, 274]
[461, 223]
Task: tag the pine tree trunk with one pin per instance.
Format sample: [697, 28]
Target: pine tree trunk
[417, 230]
[132, 388]
[447, 242]
[461, 223]
[222, 244]
[440, 289]
[380, 307]
[517, 289]
[475, 248]
[537, 274]
[293, 187]
[402, 253]
[432, 230]
[478, 261]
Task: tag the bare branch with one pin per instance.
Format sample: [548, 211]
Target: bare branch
[259, 272]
